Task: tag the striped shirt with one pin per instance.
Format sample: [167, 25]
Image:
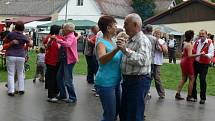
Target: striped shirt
[138, 62]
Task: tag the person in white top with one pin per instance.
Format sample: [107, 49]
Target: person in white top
[171, 42]
[158, 61]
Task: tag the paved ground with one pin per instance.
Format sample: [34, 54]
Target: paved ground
[33, 106]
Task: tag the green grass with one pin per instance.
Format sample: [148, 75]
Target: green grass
[29, 74]
[80, 67]
[170, 74]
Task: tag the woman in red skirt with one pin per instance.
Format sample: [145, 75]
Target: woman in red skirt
[187, 66]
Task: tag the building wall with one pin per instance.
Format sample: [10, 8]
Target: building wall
[191, 13]
[196, 26]
[89, 11]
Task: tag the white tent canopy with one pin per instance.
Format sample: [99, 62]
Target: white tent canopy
[167, 30]
[34, 24]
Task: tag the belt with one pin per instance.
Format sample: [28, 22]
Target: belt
[134, 77]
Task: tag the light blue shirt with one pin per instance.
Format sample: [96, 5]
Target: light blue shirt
[109, 74]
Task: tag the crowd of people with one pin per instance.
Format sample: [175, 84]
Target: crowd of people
[55, 61]
[140, 57]
[120, 64]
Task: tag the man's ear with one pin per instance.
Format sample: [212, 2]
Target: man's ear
[135, 24]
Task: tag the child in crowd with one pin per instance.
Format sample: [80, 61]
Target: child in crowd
[40, 70]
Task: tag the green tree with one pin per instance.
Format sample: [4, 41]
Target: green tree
[212, 1]
[178, 1]
[145, 8]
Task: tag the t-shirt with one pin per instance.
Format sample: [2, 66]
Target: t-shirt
[158, 59]
[17, 50]
[41, 58]
[171, 44]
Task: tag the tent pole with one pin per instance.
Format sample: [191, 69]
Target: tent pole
[66, 11]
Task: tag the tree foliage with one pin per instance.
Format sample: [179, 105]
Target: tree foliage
[145, 8]
[212, 1]
[178, 1]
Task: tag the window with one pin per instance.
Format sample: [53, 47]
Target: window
[80, 2]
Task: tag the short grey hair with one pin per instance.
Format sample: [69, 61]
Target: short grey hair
[203, 31]
[70, 26]
[135, 18]
[148, 28]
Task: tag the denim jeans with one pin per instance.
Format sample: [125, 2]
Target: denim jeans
[132, 102]
[110, 99]
[65, 80]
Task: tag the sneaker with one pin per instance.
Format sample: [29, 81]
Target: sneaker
[41, 80]
[148, 96]
[34, 80]
[190, 98]
[202, 102]
[61, 98]
[53, 100]
[178, 96]
[21, 92]
[93, 89]
[97, 95]
[162, 97]
[10, 94]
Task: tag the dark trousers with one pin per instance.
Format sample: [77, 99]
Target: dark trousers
[92, 67]
[132, 102]
[172, 55]
[51, 72]
[202, 70]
